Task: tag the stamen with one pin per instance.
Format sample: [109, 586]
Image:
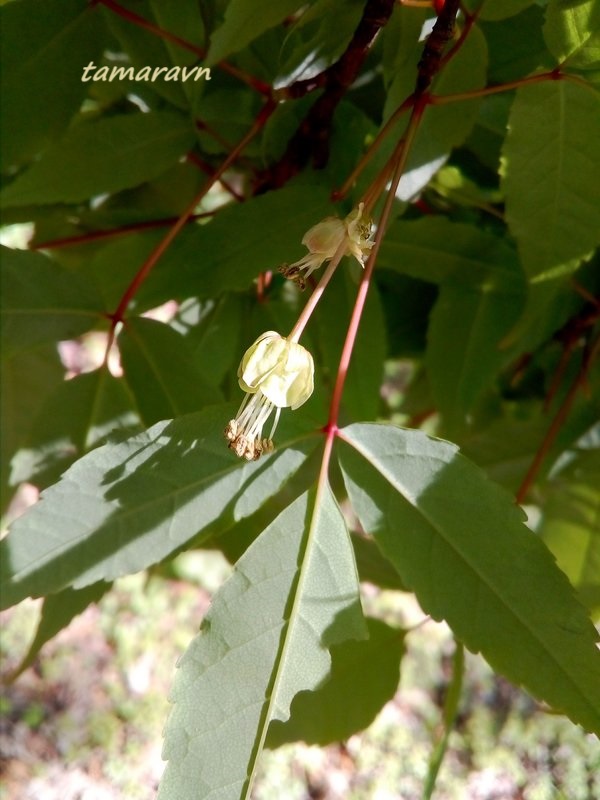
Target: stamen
[275, 422]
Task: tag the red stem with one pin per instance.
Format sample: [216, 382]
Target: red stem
[162, 246]
[193, 158]
[92, 236]
[442, 99]
[361, 296]
[590, 353]
[141, 22]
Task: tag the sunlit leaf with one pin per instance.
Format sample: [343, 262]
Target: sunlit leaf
[335, 711]
[572, 31]
[74, 419]
[293, 595]
[127, 505]
[460, 544]
[571, 524]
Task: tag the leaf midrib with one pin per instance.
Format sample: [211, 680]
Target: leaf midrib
[523, 624]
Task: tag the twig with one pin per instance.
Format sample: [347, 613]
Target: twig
[589, 354]
[134, 227]
[150, 262]
[141, 22]
[429, 64]
[194, 158]
[311, 140]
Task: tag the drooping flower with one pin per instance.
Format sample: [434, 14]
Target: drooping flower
[323, 240]
[275, 373]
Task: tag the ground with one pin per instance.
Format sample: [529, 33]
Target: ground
[85, 723]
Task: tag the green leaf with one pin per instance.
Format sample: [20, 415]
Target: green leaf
[572, 31]
[365, 375]
[479, 314]
[244, 21]
[242, 240]
[293, 595]
[492, 10]
[106, 155]
[74, 419]
[335, 711]
[161, 372]
[446, 126]
[516, 45]
[571, 524]
[114, 265]
[402, 50]
[42, 302]
[506, 448]
[26, 380]
[433, 248]
[551, 171]
[548, 307]
[128, 505]
[44, 49]
[407, 304]
[212, 332]
[58, 611]
[373, 566]
[460, 544]
[144, 48]
[319, 37]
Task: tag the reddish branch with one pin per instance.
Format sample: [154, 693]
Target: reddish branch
[134, 227]
[428, 66]
[164, 244]
[590, 352]
[311, 140]
[193, 158]
[433, 52]
[141, 22]
[571, 335]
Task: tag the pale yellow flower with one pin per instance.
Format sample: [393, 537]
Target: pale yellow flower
[275, 373]
[324, 239]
